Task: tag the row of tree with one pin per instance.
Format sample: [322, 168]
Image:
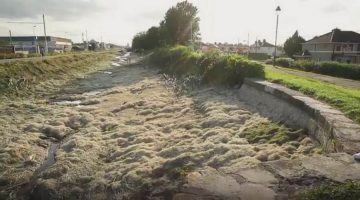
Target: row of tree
[180, 26]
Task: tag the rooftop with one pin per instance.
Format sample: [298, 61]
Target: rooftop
[337, 35]
[31, 38]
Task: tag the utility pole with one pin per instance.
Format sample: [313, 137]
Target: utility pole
[46, 44]
[256, 44]
[278, 9]
[35, 43]
[248, 54]
[10, 37]
[87, 41]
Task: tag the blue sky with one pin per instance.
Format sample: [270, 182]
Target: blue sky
[221, 20]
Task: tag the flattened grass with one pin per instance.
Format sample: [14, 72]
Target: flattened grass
[20, 76]
[345, 99]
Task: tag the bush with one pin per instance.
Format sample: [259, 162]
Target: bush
[345, 191]
[283, 62]
[214, 67]
[343, 70]
[258, 56]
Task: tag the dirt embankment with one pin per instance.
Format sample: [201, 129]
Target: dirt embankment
[27, 77]
[124, 133]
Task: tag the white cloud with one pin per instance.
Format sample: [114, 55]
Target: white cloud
[221, 20]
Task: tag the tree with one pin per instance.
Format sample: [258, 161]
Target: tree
[152, 38]
[139, 40]
[181, 23]
[292, 45]
[180, 26]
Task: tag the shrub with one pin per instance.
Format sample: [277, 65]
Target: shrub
[214, 67]
[258, 56]
[283, 62]
[345, 191]
[343, 70]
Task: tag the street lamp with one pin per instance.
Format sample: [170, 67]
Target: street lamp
[278, 10]
[35, 43]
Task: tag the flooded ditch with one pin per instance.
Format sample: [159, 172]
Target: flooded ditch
[140, 139]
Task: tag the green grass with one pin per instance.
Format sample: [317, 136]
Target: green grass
[272, 133]
[345, 191]
[330, 68]
[345, 99]
[21, 76]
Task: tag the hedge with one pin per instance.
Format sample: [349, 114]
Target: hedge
[214, 67]
[343, 70]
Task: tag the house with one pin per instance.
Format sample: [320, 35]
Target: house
[32, 44]
[263, 47]
[208, 47]
[337, 45]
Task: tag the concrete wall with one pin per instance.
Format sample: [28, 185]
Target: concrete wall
[334, 131]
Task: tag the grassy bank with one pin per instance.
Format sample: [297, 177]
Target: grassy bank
[345, 99]
[342, 70]
[213, 67]
[230, 69]
[20, 76]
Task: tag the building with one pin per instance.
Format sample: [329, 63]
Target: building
[208, 47]
[31, 44]
[263, 47]
[337, 45]
[224, 47]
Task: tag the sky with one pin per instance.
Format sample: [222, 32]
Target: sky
[231, 21]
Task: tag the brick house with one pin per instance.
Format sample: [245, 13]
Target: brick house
[337, 45]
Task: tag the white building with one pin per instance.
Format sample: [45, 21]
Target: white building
[266, 48]
[33, 44]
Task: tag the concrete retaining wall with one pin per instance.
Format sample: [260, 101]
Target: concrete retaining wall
[334, 131]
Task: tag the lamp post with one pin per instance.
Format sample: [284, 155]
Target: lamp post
[278, 10]
[35, 42]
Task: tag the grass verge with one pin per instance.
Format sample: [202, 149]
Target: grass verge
[345, 99]
[213, 67]
[336, 69]
[21, 76]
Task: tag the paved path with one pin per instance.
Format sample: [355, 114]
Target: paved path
[330, 79]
